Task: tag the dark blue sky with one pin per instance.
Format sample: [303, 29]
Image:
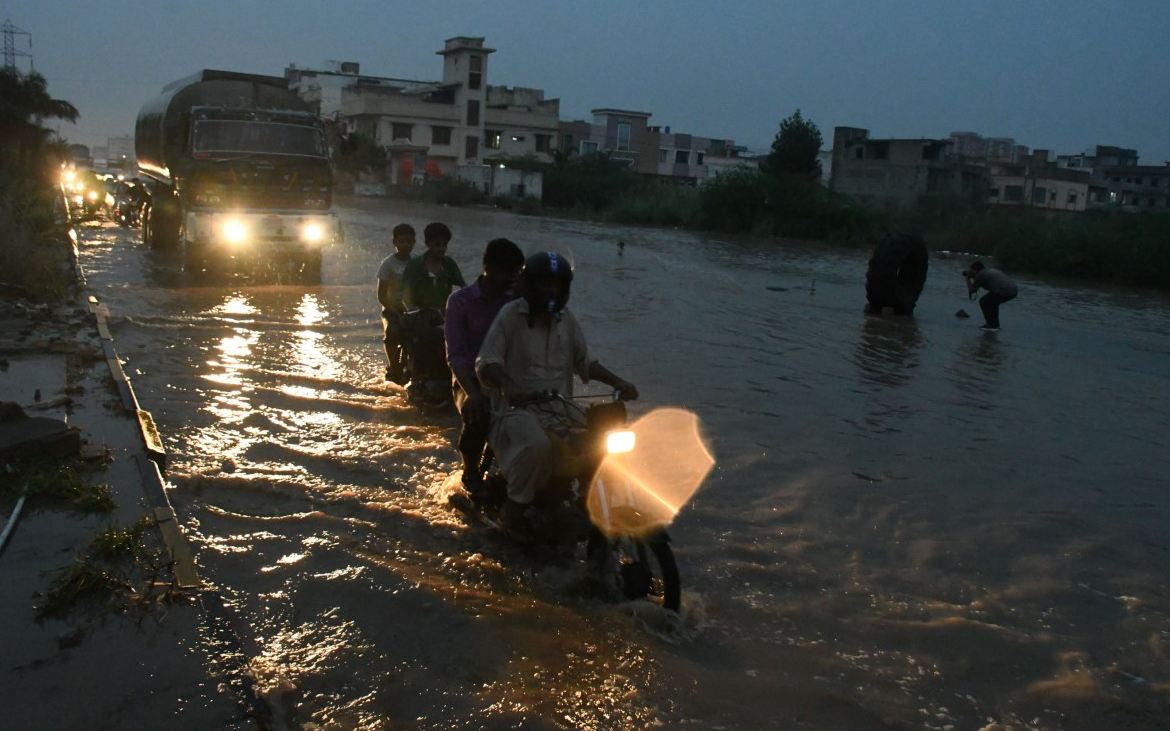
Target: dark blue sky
[1059, 75]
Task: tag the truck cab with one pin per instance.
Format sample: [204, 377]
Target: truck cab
[235, 167]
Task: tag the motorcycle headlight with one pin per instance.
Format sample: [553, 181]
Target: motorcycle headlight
[619, 442]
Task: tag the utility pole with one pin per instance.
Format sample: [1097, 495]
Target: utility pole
[10, 32]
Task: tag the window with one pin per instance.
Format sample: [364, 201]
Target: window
[1040, 195]
[682, 157]
[475, 76]
[698, 158]
[623, 137]
[1072, 198]
[588, 148]
[491, 139]
[567, 142]
[472, 112]
[662, 155]
[440, 135]
[471, 147]
[543, 142]
[400, 131]
[1013, 193]
[880, 150]
[993, 193]
[1155, 182]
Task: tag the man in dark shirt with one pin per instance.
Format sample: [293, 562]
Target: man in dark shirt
[470, 312]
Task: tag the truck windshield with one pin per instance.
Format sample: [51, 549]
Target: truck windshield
[251, 137]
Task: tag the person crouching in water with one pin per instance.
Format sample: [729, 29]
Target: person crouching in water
[999, 288]
[470, 312]
[535, 345]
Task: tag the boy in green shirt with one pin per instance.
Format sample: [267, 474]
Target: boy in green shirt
[429, 279]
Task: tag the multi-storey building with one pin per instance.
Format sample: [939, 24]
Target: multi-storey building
[653, 151]
[1120, 183]
[1037, 182]
[459, 125]
[901, 170]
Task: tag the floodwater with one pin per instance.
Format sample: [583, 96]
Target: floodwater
[910, 524]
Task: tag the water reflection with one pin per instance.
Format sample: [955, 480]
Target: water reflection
[976, 368]
[235, 353]
[887, 350]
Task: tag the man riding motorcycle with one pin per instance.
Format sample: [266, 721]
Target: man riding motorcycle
[534, 345]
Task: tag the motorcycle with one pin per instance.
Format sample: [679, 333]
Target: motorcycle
[591, 501]
[424, 358]
[127, 212]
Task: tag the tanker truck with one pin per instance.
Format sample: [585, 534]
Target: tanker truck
[235, 167]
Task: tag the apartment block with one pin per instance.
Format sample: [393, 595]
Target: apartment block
[901, 171]
[459, 125]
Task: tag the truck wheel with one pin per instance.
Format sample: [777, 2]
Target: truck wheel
[166, 228]
[896, 274]
[147, 226]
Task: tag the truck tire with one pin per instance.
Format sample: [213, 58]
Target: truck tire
[896, 274]
[161, 225]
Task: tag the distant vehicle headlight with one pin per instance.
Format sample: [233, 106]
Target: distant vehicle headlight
[234, 231]
[93, 195]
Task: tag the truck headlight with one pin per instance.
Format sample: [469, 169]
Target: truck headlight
[312, 232]
[234, 231]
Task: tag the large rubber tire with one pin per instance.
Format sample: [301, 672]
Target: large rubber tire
[896, 274]
[162, 224]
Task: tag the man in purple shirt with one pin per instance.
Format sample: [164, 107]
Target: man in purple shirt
[470, 312]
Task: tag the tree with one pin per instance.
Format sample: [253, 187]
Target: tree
[794, 151]
[24, 104]
[357, 152]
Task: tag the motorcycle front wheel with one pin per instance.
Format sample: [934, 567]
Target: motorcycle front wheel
[643, 569]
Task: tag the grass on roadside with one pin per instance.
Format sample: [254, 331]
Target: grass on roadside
[118, 571]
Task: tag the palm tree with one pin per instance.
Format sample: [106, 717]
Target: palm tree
[24, 104]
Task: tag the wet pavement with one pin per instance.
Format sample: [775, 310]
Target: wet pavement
[143, 668]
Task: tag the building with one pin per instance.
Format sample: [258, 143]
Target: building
[459, 125]
[973, 147]
[628, 138]
[1037, 182]
[901, 171]
[1118, 182]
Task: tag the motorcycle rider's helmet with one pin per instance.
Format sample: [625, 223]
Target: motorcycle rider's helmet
[537, 267]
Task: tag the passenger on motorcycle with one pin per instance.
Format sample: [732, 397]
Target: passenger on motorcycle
[390, 297]
[427, 282]
[534, 345]
[470, 312]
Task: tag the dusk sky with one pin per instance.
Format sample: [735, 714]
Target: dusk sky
[1060, 75]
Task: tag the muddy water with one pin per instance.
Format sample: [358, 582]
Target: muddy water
[911, 524]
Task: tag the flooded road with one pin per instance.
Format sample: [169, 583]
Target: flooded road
[910, 524]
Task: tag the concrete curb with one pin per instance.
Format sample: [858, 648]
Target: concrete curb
[178, 549]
